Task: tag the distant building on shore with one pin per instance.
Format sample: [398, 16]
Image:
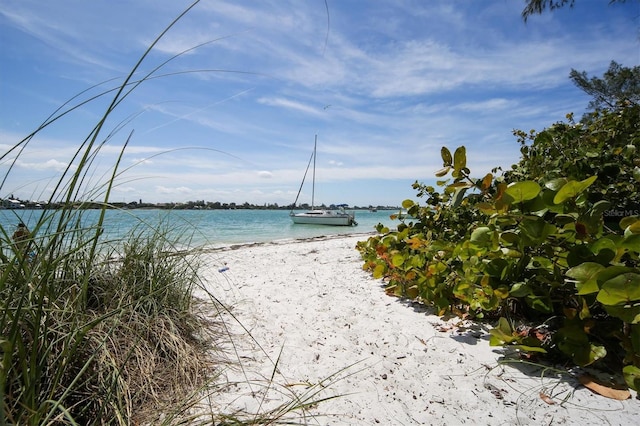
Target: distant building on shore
[12, 203]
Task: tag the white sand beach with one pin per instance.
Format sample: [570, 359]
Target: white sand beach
[331, 329]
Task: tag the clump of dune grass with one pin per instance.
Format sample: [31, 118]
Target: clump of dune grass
[108, 338]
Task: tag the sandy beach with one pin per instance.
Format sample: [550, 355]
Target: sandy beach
[324, 328]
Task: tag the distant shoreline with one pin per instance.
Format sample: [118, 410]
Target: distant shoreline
[15, 204]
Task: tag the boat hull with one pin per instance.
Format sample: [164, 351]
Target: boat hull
[324, 217]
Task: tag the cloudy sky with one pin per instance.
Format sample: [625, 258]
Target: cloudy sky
[236, 90]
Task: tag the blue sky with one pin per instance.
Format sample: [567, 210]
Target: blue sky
[384, 84]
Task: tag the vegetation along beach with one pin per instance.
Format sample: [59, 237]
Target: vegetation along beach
[161, 264]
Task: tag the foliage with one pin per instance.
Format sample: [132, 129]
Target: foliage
[536, 7]
[531, 246]
[606, 146]
[86, 338]
[620, 86]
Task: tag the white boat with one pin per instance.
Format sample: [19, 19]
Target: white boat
[320, 216]
[324, 217]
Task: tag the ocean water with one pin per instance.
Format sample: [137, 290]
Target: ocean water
[217, 228]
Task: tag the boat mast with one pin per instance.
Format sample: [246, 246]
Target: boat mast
[311, 157]
[313, 184]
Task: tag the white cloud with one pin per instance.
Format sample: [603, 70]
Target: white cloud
[491, 106]
[51, 164]
[181, 190]
[290, 104]
[141, 161]
[125, 189]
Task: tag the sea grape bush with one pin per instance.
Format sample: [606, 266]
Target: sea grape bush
[606, 145]
[531, 248]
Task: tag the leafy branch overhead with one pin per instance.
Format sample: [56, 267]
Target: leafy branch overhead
[537, 7]
[620, 85]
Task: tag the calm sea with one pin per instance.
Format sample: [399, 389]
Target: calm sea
[211, 227]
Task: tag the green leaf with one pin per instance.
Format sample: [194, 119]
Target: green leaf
[501, 292]
[540, 304]
[572, 189]
[459, 185]
[631, 225]
[631, 375]
[535, 230]
[412, 292]
[548, 197]
[486, 208]
[458, 197]
[406, 204]
[502, 334]
[604, 243]
[574, 342]
[563, 219]
[596, 352]
[593, 217]
[443, 171]
[578, 254]
[496, 267]
[523, 191]
[556, 184]
[460, 158]
[510, 237]
[447, 159]
[628, 221]
[379, 271]
[585, 275]
[481, 235]
[537, 206]
[620, 289]
[520, 290]
[631, 242]
[529, 348]
[627, 313]
[636, 174]
[599, 208]
[397, 259]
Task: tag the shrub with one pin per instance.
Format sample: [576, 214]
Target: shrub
[532, 246]
[87, 339]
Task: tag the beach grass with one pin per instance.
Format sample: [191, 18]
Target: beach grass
[96, 335]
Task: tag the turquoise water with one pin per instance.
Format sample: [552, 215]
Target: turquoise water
[210, 227]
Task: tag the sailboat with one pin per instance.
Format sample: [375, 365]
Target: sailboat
[320, 216]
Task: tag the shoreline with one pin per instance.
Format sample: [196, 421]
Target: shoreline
[237, 246]
[322, 327]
